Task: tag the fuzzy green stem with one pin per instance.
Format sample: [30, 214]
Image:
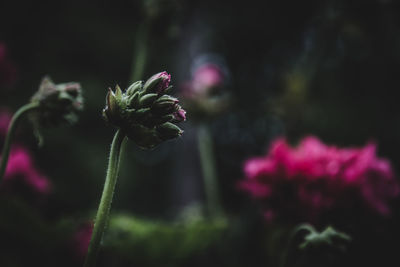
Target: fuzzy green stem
[207, 159]
[10, 135]
[103, 211]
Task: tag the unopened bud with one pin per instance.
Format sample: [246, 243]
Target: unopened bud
[144, 112]
[147, 100]
[157, 83]
[179, 115]
[168, 131]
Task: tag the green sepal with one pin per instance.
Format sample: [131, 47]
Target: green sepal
[133, 100]
[151, 85]
[168, 90]
[164, 119]
[168, 131]
[147, 100]
[135, 87]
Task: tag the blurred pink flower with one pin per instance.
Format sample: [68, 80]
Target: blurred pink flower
[7, 68]
[205, 95]
[5, 118]
[205, 78]
[313, 179]
[81, 239]
[20, 169]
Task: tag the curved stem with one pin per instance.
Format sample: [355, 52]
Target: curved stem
[10, 134]
[207, 160]
[103, 211]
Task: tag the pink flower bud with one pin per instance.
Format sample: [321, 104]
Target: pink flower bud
[157, 83]
[180, 115]
[145, 112]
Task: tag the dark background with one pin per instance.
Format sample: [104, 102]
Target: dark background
[326, 68]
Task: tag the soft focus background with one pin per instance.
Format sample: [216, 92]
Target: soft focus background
[292, 68]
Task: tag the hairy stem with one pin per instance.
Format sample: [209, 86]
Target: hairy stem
[10, 135]
[207, 160]
[103, 211]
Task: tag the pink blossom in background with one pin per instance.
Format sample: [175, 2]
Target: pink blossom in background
[205, 78]
[5, 118]
[81, 239]
[8, 70]
[314, 178]
[21, 170]
[208, 75]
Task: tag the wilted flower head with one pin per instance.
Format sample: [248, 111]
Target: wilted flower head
[21, 171]
[58, 103]
[7, 68]
[314, 179]
[144, 112]
[204, 94]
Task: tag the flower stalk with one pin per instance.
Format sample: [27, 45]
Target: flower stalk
[103, 212]
[145, 114]
[207, 160]
[10, 134]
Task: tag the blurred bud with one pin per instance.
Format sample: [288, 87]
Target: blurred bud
[145, 112]
[207, 77]
[204, 94]
[329, 239]
[58, 103]
[308, 247]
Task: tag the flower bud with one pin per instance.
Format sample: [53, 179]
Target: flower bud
[147, 100]
[157, 83]
[179, 115]
[168, 131]
[58, 103]
[205, 95]
[144, 112]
